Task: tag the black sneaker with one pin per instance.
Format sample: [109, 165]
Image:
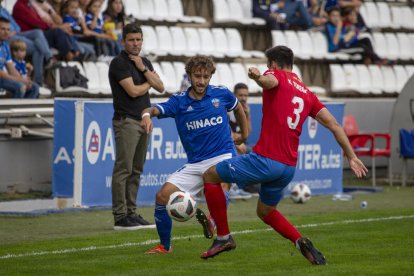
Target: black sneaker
[310, 252]
[126, 224]
[218, 247]
[134, 218]
[206, 222]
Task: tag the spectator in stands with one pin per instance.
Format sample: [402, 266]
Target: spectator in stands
[318, 14]
[340, 37]
[85, 38]
[10, 79]
[37, 46]
[18, 52]
[95, 23]
[131, 76]
[281, 14]
[342, 4]
[58, 36]
[115, 14]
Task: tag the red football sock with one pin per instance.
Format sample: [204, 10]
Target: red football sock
[282, 226]
[216, 202]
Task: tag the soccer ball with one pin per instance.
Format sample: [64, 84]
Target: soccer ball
[300, 193]
[181, 206]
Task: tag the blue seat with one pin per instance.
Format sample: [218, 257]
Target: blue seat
[406, 150]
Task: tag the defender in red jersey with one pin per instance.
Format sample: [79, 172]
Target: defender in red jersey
[286, 104]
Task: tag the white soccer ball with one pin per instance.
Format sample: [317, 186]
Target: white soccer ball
[181, 206]
[300, 193]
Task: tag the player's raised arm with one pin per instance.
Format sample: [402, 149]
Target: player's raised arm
[328, 120]
[264, 81]
[146, 115]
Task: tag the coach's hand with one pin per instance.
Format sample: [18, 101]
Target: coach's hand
[146, 123]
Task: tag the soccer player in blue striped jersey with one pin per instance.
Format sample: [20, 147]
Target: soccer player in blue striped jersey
[202, 122]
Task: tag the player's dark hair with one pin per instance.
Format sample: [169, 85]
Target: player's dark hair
[282, 55]
[200, 62]
[4, 20]
[131, 28]
[346, 11]
[238, 86]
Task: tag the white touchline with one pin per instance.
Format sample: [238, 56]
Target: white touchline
[148, 242]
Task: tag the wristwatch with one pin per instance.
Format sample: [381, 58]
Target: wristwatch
[145, 70]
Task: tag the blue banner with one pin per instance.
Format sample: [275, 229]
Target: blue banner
[165, 155]
[319, 155]
[63, 145]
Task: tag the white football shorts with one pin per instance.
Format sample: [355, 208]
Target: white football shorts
[189, 178]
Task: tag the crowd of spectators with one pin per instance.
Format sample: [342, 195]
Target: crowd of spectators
[49, 31]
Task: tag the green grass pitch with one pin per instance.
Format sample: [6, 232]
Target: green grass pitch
[376, 240]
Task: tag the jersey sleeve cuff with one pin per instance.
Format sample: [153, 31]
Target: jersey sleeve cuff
[234, 105]
[160, 108]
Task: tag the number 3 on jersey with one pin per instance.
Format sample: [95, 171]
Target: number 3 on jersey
[298, 102]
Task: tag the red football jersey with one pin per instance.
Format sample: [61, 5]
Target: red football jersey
[285, 108]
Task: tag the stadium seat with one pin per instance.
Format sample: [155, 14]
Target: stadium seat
[92, 73]
[172, 85]
[215, 79]
[292, 41]
[158, 70]
[247, 12]
[235, 44]
[384, 15]
[221, 12]
[365, 83]
[372, 17]
[132, 8]
[406, 49]
[390, 80]
[406, 151]
[103, 70]
[278, 38]
[380, 44]
[161, 12]
[306, 45]
[239, 74]
[144, 9]
[193, 40]
[208, 46]
[320, 91]
[407, 18]
[338, 79]
[237, 14]
[164, 39]
[410, 70]
[179, 41]
[376, 78]
[367, 144]
[397, 17]
[401, 77]
[176, 11]
[179, 68]
[220, 40]
[392, 46]
[151, 41]
[320, 48]
[253, 86]
[9, 4]
[351, 77]
[226, 76]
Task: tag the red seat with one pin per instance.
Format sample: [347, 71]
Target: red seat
[366, 144]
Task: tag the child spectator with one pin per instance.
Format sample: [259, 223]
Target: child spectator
[340, 37]
[18, 52]
[95, 22]
[115, 14]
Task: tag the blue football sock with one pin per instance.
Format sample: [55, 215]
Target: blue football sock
[164, 225]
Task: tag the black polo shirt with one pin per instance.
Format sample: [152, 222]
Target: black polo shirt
[122, 67]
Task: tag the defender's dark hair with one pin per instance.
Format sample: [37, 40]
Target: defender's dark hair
[198, 62]
[334, 8]
[282, 55]
[238, 86]
[131, 28]
[4, 20]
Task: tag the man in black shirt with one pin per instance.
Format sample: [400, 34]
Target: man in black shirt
[130, 76]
